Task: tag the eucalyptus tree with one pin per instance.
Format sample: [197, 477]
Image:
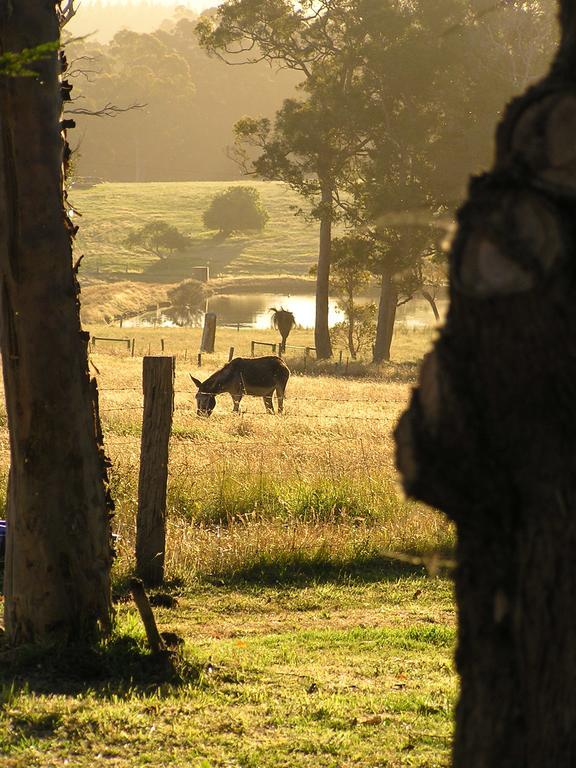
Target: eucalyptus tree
[309, 146]
[490, 434]
[348, 278]
[59, 550]
[314, 138]
[430, 79]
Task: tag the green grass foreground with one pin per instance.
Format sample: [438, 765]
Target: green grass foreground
[342, 673]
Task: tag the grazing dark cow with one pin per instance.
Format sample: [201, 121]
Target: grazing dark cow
[258, 376]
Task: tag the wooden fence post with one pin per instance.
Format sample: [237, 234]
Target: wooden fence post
[199, 359]
[132, 344]
[158, 385]
[209, 332]
[252, 346]
[162, 344]
[231, 354]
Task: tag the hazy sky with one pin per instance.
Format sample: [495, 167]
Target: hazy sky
[197, 5]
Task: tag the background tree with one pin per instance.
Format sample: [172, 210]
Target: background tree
[237, 209]
[167, 71]
[509, 43]
[397, 258]
[489, 436]
[387, 80]
[359, 335]
[401, 189]
[348, 278]
[432, 277]
[309, 146]
[59, 553]
[315, 137]
[284, 321]
[158, 238]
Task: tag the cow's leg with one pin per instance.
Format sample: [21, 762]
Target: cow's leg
[268, 403]
[236, 398]
[280, 396]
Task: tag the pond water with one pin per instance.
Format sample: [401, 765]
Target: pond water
[253, 311]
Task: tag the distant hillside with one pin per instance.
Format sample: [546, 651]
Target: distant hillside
[287, 246]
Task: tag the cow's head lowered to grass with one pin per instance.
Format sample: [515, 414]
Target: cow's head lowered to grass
[205, 401]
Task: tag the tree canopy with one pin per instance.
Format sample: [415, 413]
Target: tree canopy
[388, 93]
[237, 209]
[159, 238]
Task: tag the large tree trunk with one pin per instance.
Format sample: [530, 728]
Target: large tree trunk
[321, 327]
[490, 436]
[386, 319]
[58, 559]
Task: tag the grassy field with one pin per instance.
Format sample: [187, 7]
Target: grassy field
[334, 674]
[311, 633]
[109, 211]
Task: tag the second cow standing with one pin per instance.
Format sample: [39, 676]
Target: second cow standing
[260, 377]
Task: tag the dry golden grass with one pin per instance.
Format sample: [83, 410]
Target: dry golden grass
[257, 496]
[107, 300]
[252, 494]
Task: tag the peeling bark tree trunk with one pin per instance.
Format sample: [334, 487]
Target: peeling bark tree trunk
[321, 327]
[386, 319]
[57, 575]
[490, 435]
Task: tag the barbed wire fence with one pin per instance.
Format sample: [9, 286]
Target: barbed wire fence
[126, 447]
[233, 455]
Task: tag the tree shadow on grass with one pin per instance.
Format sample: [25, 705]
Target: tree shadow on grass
[123, 666]
[119, 667]
[398, 373]
[299, 570]
[180, 265]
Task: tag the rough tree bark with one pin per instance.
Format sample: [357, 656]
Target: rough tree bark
[490, 434]
[59, 553]
[386, 319]
[321, 327]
